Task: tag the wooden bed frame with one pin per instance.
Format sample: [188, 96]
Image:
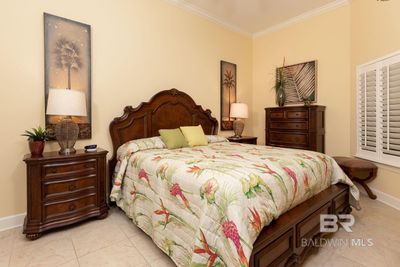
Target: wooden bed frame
[283, 242]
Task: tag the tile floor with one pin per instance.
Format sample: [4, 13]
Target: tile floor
[115, 241]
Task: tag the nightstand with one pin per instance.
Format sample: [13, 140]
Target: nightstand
[244, 139]
[62, 190]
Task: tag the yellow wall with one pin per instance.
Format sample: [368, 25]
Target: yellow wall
[375, 30]
[325, 38]
[138, 48]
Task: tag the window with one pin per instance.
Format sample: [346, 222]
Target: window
[378, 110]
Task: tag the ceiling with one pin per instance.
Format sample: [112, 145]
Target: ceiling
[255, 16]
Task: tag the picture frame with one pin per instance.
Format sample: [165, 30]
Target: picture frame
[300, 82]
[67, 60]
[228, 78]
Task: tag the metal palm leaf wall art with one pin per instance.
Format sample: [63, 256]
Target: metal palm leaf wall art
[300, 82]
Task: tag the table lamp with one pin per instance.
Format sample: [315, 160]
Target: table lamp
[66, 103]
[239, 111]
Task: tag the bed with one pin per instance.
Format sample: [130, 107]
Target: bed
[219, 205]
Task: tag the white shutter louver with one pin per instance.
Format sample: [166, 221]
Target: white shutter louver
[391, 109]
[378, 109]
[367, 110]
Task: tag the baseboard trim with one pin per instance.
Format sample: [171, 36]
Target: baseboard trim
[383, 197]
[12, 221]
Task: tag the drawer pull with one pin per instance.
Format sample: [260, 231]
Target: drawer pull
[54, 171]
[71, 207]
[72, 187]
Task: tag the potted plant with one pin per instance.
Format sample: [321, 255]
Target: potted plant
[37, 137]
[280, 86]
[307, 101]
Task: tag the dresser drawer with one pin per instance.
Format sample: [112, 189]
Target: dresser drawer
[69, 169]
[298, 139]
[69, 207]
[297, 114]
[289, 125]
[277, 115]
[66, 187]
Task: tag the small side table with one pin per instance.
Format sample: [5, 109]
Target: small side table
[62, 190]
[359, 170]
[252, 140]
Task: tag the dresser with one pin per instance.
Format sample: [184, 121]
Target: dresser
[62, 190]
[300, 127]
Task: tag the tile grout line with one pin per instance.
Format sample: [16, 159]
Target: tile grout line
[13, 246]
[130, 241]
[76, 255]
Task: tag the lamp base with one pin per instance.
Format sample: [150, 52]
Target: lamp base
[66, 132]
[67, 151]
[238, 126]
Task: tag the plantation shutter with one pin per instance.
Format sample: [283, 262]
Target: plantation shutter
[390, 75]
[378, 109]
[367, 110]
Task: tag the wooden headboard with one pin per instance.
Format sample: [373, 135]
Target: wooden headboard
[166, 110]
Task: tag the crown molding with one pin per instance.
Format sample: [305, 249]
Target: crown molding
[203, 13]
[306, 15]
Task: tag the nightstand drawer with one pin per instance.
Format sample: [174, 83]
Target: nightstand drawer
[67, 207]
[53, 189]
[69, 169]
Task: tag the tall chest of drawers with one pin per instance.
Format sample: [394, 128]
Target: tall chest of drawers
[300, 127]
[62, 190]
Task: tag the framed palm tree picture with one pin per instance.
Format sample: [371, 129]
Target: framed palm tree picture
[67, 52]
[228, 93]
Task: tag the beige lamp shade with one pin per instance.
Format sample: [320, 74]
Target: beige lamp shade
[65, 102]
[239, 110]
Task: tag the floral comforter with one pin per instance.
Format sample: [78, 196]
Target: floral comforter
[205, 206]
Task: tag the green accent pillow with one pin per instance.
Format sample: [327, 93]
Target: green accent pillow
[194, 135]
[173, 138]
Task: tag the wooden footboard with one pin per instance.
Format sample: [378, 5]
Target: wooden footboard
[281, 243]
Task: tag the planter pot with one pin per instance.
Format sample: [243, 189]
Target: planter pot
[36, 148]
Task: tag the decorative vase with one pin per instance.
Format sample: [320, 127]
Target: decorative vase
[36, 148]
[280, 97]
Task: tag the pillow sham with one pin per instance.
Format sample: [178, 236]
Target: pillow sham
[194, 135]
[173, 138]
